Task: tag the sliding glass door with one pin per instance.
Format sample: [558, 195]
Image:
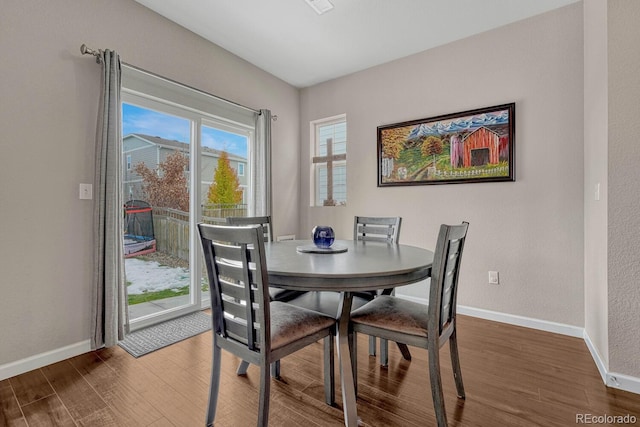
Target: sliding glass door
[181, 167]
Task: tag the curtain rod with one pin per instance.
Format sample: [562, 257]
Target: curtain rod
[98, 54]
[86, 51]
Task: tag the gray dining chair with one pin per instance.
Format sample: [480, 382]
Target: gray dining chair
[246, 322]
[415, 324]
[385, 230]
[377, 229]
[264, 221]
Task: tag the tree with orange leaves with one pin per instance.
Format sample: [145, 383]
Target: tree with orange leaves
[166, 186]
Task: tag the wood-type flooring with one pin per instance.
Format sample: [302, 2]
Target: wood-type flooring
[513, 376]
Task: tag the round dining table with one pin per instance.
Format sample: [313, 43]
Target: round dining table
[363, 266]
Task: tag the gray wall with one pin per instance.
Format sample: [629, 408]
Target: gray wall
[531, 230]
[624, 175]
[48, 109]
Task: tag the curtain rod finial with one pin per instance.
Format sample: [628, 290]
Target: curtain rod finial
[86, 51]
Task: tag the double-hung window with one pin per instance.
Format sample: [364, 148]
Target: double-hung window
[329, 161]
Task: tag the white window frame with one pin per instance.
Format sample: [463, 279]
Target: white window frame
[316, 166]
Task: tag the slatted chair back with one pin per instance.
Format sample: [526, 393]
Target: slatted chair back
[239, 297]
[386, 230]
[377, 229]
[275, 293]
[444, 276]
[265, 221]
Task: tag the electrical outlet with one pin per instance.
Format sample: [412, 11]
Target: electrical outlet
[493, 278]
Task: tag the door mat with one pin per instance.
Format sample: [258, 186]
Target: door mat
[147, 340]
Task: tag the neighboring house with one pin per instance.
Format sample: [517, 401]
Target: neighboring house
[152, 150]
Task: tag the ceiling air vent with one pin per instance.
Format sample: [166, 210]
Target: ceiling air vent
[320, 6]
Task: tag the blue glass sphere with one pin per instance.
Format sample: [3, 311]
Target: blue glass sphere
[323, 236]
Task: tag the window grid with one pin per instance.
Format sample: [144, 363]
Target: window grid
[330, 148]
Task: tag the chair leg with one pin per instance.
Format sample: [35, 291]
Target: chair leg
[455, 363]
[329, 369]
[275, 369]
[436, 385]
[214, 386]
[265, 389]
[372, 345]
[406, 354]
[384, 353]
[242, 368]
[244, 365]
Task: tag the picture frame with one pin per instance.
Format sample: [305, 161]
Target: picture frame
[466, 147]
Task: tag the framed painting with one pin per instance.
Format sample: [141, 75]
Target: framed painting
[471, 146]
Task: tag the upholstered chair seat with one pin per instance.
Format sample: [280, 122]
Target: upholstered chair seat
[290, 323]
[394, 314]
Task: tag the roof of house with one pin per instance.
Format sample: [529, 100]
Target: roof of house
[182, 146]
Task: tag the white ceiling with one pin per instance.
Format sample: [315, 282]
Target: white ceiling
[289, 40]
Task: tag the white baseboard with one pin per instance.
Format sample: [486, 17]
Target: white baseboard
[43, 359]
[623, 382]
[610, 379]
[527, 322]
[512, 319]
[602, 369]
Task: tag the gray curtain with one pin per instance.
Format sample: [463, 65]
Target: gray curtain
[262, 160]
[109, 313]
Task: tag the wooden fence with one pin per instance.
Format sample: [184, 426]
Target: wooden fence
[223, 211]
[171, 226]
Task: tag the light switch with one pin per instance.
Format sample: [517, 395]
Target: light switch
[86, 191]
[596, 193]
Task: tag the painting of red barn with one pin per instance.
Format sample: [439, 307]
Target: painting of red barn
[471, 146]
[481, 147]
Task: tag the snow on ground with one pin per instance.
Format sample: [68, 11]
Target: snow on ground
[149, 276]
